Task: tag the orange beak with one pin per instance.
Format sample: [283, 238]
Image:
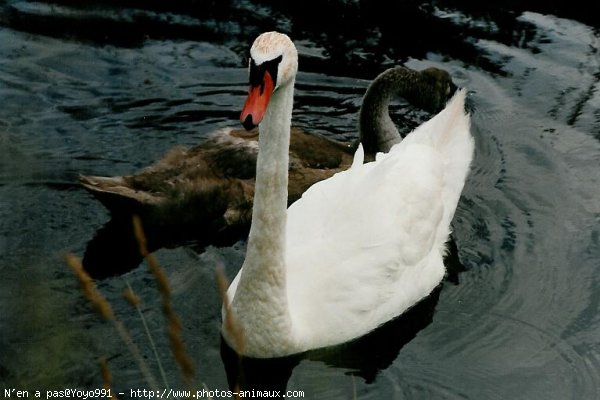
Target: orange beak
[257, 102]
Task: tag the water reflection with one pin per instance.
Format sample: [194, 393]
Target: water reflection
[367, 35]
[114, 250]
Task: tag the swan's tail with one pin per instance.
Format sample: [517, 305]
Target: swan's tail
[449, 132]
[449, 125]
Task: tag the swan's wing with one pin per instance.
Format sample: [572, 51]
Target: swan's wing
[362, 245]
[449, 133]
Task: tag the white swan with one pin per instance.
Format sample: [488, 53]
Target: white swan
[357, 249]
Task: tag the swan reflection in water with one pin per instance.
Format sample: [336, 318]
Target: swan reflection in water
[364, 357]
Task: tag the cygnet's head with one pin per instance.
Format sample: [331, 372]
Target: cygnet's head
[437, 89]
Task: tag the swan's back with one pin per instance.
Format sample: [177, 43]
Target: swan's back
[366, 244]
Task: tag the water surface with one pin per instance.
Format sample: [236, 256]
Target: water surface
[521, 323]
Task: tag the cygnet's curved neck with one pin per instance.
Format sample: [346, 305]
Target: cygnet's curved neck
[377, 130]
[261, 300]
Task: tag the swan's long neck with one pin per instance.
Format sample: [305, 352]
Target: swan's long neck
[260, 303]
[377, 130]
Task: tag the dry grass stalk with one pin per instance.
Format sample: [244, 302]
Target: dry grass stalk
[177, 347]
[230, 323]
[106, 376]
[103, 307]
[89, 288]
[132, 298]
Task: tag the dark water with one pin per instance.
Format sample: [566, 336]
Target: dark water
[106, 91]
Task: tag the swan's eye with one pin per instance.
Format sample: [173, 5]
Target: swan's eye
[257, 71]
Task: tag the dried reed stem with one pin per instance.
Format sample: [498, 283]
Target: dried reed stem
[106, 376]
[89, 288]
[103, 307]
[135, 301]
[132, 298]
[177, 347]
[231, 325]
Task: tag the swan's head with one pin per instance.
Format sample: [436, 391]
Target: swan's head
[273, 64]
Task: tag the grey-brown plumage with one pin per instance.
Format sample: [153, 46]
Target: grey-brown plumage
[212, 184]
